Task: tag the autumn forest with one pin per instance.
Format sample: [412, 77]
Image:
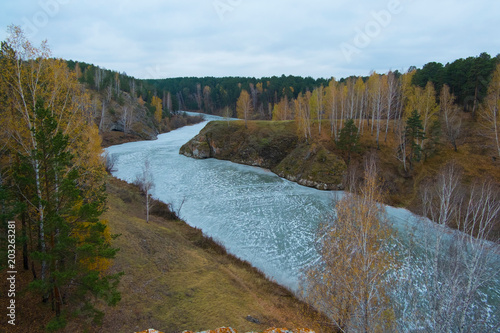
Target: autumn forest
[427, 139]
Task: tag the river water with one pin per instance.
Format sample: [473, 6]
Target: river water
[255, 214]
[258, 216]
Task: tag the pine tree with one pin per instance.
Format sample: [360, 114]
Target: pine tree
[51, 163]
[348, 140]
[414, 133]
[74, 245]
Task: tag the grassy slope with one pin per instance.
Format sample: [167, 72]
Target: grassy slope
[175, 280]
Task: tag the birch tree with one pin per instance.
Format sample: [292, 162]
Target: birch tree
[157, 104]
[316, 105]
[429, 108]
[55, 165]
[350, 282]
[450, 116]
[303, 115]
[198, 96]
[281, 110]
[451, 271]
[331, 93]
[375, 92]
[244, 106]
[145, 182]
[391, 98]
[490, 117]
[360, 91]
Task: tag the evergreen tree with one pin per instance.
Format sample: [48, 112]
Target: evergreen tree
[413, 135]
[74, 244]
[348, 140]
[51, 165]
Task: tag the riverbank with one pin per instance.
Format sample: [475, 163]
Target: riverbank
[271, 145]
[176, 279]
[320, 164]
[111, 138]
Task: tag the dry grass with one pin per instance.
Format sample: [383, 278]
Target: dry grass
[115, 138]
[175, 279]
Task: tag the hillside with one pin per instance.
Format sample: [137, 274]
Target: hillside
[176, 279]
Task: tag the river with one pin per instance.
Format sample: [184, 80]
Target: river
[255, 214]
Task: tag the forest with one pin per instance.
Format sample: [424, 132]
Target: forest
[467, 79]
[53, 175]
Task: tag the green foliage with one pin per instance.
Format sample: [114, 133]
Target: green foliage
[467, 78]
[74, 240]
[56, 324]
[8, 209]
[348, 140]
[413, 134]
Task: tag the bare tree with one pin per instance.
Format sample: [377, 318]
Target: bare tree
[350, 281]
[132, 88]
[110, 162]
[391, 98]
[145, 182]
[180, 98]
[98, 78]
[169, 102]
[450, 115]
[228, 113]
[451, 272]
[490, 113]
[331, 105]
[103, 114]
[127, 118]
[198, 96]
[401, 150]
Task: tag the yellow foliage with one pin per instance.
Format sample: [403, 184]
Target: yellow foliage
[281, 110]
[157, 103]
[490, 111]
[244, 106]
[350, 285]
[259, 87]
[96, 263]
[28, 76]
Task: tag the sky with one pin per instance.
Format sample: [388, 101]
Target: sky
[153, 39]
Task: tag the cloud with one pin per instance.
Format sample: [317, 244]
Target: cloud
[258, 38]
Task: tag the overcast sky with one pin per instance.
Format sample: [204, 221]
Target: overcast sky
[166, 38]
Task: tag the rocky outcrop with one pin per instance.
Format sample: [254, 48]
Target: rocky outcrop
[126, 114]
[313, 166]
[271, 145]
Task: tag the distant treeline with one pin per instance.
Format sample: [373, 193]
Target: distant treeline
[468, 80]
